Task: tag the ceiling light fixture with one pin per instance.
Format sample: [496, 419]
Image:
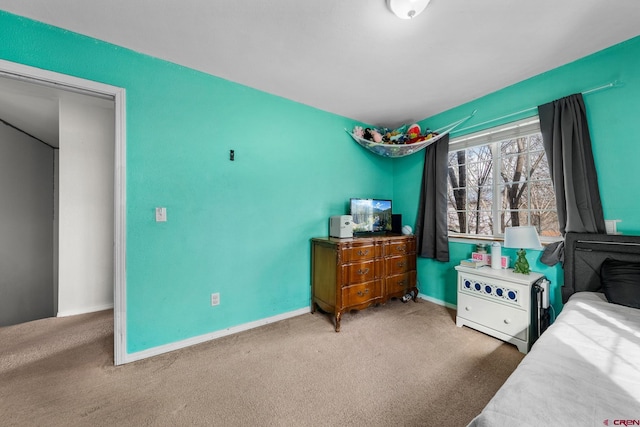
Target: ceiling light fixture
[407, 9]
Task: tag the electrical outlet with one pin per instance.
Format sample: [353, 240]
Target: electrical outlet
[611, 226]
[161, 214]
[215, 299]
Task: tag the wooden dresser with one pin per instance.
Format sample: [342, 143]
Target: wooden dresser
[354, 273]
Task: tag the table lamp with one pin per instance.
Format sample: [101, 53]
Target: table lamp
[525, 237]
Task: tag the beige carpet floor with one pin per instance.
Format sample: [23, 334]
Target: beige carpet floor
[393, 365]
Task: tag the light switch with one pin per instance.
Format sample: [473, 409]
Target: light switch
[161, 214]
[611, 226]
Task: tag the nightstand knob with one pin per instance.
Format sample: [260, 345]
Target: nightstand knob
[507, 321]
[467, 308]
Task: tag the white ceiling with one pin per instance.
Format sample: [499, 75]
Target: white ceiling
[353, 57]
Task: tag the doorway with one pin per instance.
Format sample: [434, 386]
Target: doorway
[89, 192]
[26, 224]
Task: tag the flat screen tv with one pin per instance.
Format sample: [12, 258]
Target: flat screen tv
[370, 215]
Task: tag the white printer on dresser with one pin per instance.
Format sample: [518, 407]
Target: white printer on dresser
[341, 226]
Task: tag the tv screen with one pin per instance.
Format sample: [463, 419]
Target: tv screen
[371, 215]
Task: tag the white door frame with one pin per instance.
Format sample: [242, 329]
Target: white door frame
[91, 88]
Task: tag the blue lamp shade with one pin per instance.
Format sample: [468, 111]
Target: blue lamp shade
[525, 237]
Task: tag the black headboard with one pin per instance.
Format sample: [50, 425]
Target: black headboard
[584, 254]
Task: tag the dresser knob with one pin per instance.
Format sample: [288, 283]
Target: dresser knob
[401, 264]
[507, 321]
[363, 253]
[361, 294]
[361, 271]
[467, 308]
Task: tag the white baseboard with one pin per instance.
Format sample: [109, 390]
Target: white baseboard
[437, 301]
[85, 310]
[155, 351]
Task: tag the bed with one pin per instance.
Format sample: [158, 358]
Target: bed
[585, 369]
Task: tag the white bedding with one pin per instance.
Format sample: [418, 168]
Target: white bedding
[583, 371]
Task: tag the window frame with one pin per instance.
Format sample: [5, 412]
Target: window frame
[492, 137]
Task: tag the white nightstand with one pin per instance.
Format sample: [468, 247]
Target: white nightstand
[498, 303]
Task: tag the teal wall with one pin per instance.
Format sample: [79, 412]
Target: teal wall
[240, 228]
[615, 132]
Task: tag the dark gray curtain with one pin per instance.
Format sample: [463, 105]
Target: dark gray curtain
[567, 143]
[431, 224]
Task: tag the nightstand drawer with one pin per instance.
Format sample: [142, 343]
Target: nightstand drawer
[494, 289]
[508, 320]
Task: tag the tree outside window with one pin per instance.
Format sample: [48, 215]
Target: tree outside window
[501, 183]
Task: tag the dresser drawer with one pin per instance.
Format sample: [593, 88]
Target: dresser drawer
[400, 247]
[361, 272]
[360, 294]
[361, 252]
[399, 264]
[508, 320]
[400, 282]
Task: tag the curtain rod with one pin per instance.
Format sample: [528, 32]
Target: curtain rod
[614, 83]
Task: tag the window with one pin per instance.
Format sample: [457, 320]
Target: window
[500, 178]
